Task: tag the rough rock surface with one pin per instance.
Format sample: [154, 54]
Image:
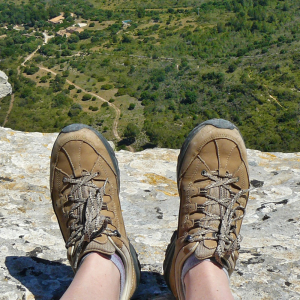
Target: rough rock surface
[5, 87]
[32, 254]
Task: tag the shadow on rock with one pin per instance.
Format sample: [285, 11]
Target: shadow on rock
[49, 279]
[152, 286]
[43, 278]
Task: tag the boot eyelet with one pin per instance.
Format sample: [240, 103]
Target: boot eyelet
[116, 232]
[203, 172]
[188, 239]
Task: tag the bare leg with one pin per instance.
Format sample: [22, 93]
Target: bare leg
[97, 278]
[207, 281]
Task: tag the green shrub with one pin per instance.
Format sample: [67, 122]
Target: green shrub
[75, 110]
[43, 79]
[101, 79]
[86, 97]
[107, 86]
[131, 131]
[31, 70]
[60, 100]
[121, 92]
[93, 108]
[131, 106]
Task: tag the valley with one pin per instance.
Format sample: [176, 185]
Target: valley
[144, 74]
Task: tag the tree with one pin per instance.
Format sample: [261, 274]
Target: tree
[140, 12]
[84, 35]
[107, 86]
[190, 97]
[57, 83]
[73, 38]
[60, 100]
[75, 110]
[86, 97]
[131, 106]
[43, 79]
[31, 70]
[126, 39]
[131, 131]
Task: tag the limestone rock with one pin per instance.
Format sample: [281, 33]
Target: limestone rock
[33, 257]
[5, 86]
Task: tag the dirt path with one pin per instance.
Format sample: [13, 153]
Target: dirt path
[47, 37]
[11, 104]
[12, 99]
[117, 110]
[275, 99]
[29, 57]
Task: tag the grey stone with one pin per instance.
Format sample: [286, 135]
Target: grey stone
[5, 86]
[33, 260]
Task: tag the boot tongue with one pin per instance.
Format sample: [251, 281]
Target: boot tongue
[101, 244]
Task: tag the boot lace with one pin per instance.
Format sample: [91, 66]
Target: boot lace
[87, 223]
[226, 243]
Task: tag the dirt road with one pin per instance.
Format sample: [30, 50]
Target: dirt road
[30, 56]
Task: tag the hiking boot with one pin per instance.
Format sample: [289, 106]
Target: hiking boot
[85, 185]
[213, 182]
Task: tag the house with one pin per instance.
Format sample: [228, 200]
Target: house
[126, 23]
[74, 29]
[57, 20]
[62, 33]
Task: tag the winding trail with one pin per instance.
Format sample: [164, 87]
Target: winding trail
[30, 56]
[117, 110]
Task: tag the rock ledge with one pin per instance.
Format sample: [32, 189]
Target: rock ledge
[32, 253]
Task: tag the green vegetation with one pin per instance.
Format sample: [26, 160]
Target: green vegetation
[175, 65]
[86, 97]
[131, 131]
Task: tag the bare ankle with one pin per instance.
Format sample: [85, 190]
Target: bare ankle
[207, 281]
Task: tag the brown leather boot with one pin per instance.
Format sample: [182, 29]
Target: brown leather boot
[85, 185]
[213, 182]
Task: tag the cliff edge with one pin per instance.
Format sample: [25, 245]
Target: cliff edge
[33, 257]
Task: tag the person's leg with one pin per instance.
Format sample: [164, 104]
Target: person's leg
[207, 281]
[213, 182]
[85, 185]
[97, 278]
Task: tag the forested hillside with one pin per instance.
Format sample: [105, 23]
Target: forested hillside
[162, 67]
